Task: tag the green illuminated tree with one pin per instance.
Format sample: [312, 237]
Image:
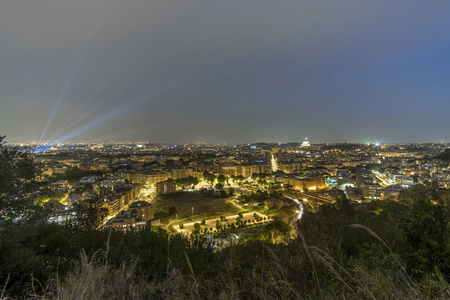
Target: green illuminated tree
[218, 225]
[221, 179]
[211, 178]
[197, 225]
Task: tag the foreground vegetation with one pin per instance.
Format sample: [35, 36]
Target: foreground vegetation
[399, 251]
[378, 250]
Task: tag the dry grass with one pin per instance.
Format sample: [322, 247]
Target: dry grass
[92, 281]
[268, 279]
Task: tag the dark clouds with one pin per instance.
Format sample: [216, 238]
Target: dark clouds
[225, 71]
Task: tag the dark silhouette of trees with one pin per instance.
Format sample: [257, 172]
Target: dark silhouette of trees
[173, 211]
[18, 187]
[221, 179]
[90, 215]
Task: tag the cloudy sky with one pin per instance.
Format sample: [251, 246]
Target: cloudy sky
[225, 71]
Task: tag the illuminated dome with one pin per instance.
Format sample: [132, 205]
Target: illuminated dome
[306, 143]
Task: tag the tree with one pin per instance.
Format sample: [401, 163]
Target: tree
[257, 217]
[149, 164]
[91, 215]
[218, 186]
[262, 176]
[221, 179]
[169, 162]
[188, 181]
[288, 187]
[301, 174]
[218, 225]
[211, 178]
[173, 211]
[239, 178]
[181, 225]
[281, 226]
[18, 187]
[428, 235]
[279, 172]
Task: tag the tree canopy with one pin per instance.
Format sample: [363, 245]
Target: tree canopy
[18, 187]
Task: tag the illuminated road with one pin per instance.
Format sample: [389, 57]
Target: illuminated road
[384, 181]
[274, 164]
[300, 207]
[299, 216]
[318, 199]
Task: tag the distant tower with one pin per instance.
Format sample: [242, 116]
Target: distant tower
[306, 143]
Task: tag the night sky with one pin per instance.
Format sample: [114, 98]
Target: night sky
[225, 71]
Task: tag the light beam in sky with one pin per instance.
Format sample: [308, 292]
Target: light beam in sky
[72, 75]
[154, 94]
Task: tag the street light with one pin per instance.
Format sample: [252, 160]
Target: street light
[192, 211]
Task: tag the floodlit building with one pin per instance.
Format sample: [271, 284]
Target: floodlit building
[165, 187]
[145, 177]
[306, 143]
[310, 184]
[143, 209]
[126, 220]
[370, 188]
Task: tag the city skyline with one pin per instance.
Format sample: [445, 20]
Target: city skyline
[224, 72]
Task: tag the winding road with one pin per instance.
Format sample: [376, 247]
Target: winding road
[300, 206]
[298, 217]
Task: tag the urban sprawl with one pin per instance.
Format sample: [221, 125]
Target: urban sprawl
[212, 189]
